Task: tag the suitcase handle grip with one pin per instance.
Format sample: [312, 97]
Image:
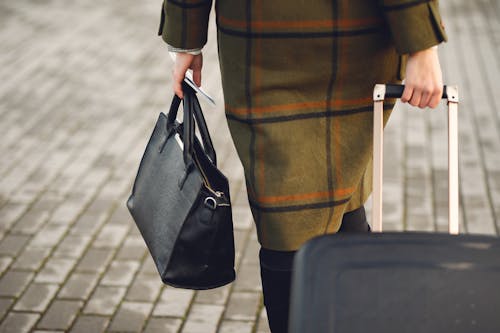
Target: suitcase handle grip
[396, 91]
[380, 92]
[383, 91]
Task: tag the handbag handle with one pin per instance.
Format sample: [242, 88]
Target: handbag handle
[202, 126]
[188, 129]
[192, 111]
[395, 91]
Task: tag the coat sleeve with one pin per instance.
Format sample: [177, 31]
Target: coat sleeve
[415, 25]
[184, 23]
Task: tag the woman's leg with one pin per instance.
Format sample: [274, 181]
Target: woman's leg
[276, 272]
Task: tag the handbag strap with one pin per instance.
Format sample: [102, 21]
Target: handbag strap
[192, 112]
[172, 113]
[188, 128]
[202, 126]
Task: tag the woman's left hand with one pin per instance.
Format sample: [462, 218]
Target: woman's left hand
[183, 62]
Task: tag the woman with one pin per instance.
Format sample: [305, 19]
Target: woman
[298, 79]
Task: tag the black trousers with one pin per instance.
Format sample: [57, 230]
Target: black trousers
[276, 272]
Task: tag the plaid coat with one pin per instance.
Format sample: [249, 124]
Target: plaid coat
[298, 78]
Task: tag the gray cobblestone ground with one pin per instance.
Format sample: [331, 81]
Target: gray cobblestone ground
[82, 84]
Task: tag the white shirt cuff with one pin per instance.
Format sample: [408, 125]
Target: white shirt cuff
[178, 50]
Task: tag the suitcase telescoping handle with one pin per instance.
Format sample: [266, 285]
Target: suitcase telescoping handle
[382, 91]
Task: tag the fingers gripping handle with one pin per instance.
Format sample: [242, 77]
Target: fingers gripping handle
[382, 91]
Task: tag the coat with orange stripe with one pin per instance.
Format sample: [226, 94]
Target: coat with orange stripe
[298, 78]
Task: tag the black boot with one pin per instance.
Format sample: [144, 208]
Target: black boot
[355, 221]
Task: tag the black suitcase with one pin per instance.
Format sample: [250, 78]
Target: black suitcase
[399, 282]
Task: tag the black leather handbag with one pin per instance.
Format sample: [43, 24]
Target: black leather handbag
[181, 204]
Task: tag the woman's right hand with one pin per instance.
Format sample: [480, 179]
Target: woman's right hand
[183, 62]
[424, 79]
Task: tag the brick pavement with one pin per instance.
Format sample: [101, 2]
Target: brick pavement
[82, 85]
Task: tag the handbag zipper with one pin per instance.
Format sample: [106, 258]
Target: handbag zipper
[218, 194]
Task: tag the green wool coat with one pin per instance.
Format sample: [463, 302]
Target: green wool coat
[298, 77]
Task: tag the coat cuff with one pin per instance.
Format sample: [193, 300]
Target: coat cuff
[184, 24]
[414, 25]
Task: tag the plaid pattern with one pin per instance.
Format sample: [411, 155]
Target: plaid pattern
[298, 79]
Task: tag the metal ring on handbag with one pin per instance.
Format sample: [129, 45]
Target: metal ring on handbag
[211, 203]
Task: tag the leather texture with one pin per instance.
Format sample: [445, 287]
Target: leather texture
[181, 204]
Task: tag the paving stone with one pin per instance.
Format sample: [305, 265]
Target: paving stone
[101, 204]
[131, 316]
[217, 296]
[121, 216]
[248, 278]
[243, 306]
[120, 273]
[55, 270]
[145, 288]
[14, 282]
[60, 315]
[263, 325]
[10, 213]
[95, 177]
[88, 223]
[67, 212]
[134, 248]
[31, 259]
[135, 232]
[79, 286]
[203, 318]
[199, 327]
[31, 222]
[12, 244]
[203, 315]
[48, 236]
[228, 326]
[5, 304]
[240, 242]
[45, 204]
[95, 260]
[163, 325]
[36, 298]
[242, 217]
[148, 267]
[104, 300]
[120, 184]
[87, 324]
[72, 246]
[173, 302]
[18, 322]
[111, 236]
[4, 263]
[251, 255]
